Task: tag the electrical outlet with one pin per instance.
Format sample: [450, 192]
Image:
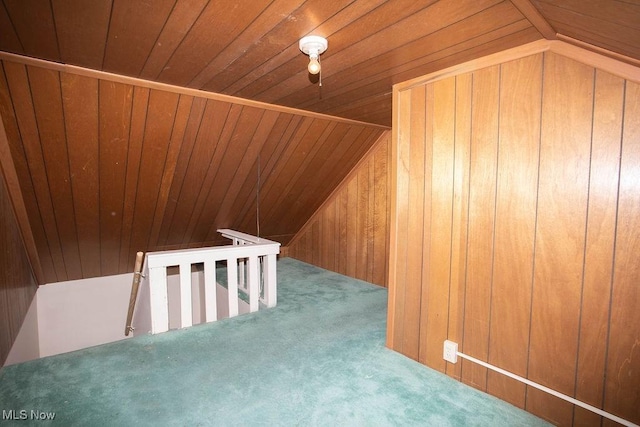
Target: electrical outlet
[450, 353]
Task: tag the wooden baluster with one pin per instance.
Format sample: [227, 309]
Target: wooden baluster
[232, 285]
[210, 290]
[254, 283]
[186, 302]
[270, 289]
[158, 297]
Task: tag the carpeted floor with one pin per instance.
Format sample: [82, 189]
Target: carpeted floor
[318, 358]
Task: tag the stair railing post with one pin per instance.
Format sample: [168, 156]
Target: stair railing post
[186, 300]
[210, 289]
[270, 289]
[159, 302]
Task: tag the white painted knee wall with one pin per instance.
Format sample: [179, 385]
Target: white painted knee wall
[71, 315]
[76, 314]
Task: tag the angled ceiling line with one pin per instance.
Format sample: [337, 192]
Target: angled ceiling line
[149, 84]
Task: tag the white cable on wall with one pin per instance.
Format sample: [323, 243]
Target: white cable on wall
[550, 391]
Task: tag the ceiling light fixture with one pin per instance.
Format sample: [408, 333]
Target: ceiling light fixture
[313, 46]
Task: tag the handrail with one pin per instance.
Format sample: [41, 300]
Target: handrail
[134, 292]
[238, 235]
[215, 253]
[251, 264]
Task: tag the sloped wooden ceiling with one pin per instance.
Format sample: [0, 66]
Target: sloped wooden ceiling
[108, 168]
[249, 48]
[613, 25]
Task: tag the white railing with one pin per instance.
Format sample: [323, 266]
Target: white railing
[250, 269]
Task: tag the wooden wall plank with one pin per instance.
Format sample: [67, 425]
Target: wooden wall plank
[82, 30]
[115, 108]
[401, 164]
[413, 241]
[17, 284]
[281, 137]
[599, 246]
[19, 258]
[140, 105]
[316, 230]
[263, 37]
[560, 229]
[616, 24]
[306, 156]
[185, 105]
[189, 140]
[442, 172]
[80, 103]
[327, 160]
[126, 51]
[370, 203]
[180, 21]
[41, 40]
[482, 199]
[246, 171]
[159, 123]
[6, 339]
[351, 223]
[198, 39]
[238, 158]
[246, 210]
[328, 174]
[427, 223]
[328, 251]
[9, 40]
[296, 148]
[381, 167]
[47, 102]
[237, 122]
[14, 166]
[619, 11]
[520, 104]
[573, 30]
[23, 106]
[460, 208]
[242, 168]
[342, 232]
[193, 166]
[20, 267]
[339, 236]
[623, 358]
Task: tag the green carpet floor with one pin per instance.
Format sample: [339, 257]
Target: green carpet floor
[318, 358]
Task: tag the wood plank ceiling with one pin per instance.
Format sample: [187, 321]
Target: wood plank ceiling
[250, 49]
[107, 166]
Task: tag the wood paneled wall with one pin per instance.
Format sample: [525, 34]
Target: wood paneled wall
[17, 283]
[515, 231]
[349, 233]
[108, 165]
